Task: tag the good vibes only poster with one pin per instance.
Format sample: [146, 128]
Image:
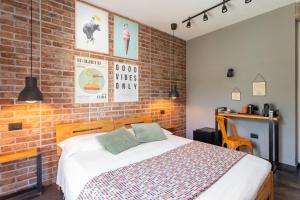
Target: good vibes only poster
[126, 84]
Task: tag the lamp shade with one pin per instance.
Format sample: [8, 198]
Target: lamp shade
[174, 93]
[31, 92]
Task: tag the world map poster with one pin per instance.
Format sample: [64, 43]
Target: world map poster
[91, 80]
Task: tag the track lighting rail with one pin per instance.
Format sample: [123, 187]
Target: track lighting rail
[204, 12]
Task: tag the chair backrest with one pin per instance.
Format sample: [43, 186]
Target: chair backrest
[232, 127]
[221, 122]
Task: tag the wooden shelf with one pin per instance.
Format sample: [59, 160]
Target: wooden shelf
[18, 156]
[247, 116]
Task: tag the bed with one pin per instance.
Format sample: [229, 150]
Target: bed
[249, 178]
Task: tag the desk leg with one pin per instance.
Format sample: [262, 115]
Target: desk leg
[271, 142]
[39, 173]
[217, 137]
[276, 127]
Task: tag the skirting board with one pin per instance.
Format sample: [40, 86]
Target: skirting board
[289, 167]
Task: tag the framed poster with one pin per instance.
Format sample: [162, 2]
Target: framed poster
[126, 38]
[259, 85]
[91, 80]
[91, 28]
[259, 88]
[236, 95]
[126, 82]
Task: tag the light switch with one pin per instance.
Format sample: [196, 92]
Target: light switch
[15, 126]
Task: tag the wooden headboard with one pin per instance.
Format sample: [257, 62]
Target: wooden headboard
[65, 131]
[126, 122]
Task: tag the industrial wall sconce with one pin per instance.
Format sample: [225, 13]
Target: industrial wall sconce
[204, 12]
[230, 73]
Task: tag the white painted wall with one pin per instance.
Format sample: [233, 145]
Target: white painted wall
[264, 44]
[298, 111]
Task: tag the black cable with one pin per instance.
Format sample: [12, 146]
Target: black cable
[173, 51]
[31, 39]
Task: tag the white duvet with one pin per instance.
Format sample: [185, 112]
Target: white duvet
[241, 182]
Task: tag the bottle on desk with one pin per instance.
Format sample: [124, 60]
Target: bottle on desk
[271, 113]
[245, 109]
[252, 109]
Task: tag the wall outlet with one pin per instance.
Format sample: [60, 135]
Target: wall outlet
[254, 135]
[15, 126]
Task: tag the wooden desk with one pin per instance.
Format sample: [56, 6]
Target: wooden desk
[22, 155]
[273, 132]
[247, 116]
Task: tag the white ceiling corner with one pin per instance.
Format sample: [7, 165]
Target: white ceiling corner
[161, 13]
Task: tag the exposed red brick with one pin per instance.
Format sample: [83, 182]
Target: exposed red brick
[53, 56]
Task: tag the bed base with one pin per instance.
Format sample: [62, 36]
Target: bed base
[266, 191]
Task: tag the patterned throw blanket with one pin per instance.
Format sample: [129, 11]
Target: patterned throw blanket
[181, 173]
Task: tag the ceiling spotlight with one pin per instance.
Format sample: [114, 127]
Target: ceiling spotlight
[224, 8]
[248, 1]
[205, 17]
[188, 24]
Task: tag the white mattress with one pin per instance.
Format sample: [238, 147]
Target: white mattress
[241, 182]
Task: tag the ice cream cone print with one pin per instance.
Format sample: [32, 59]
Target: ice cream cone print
[126, 38]
[126, 44]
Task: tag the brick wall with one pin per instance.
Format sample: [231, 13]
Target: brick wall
[54, 52]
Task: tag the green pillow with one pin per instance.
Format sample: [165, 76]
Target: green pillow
[148, 132]
[117, 141]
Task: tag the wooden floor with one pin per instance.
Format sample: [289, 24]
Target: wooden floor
[286, 184]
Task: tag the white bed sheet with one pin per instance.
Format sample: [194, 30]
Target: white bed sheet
[241, 182]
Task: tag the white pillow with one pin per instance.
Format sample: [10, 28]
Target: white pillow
[166, 132]
[80, 143]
